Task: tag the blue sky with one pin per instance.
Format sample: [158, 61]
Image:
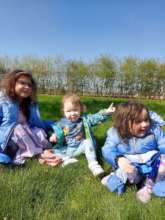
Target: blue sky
[82, 29]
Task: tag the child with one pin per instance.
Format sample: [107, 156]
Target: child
[22, 132]
[78, 136]
[134, 147]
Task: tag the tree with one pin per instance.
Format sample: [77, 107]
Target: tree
[129, 76]
[76, 71]
[106, 71]
[149, 74]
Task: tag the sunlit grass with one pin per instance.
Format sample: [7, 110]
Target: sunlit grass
[71, 193]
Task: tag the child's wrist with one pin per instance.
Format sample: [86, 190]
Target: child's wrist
[104, 112]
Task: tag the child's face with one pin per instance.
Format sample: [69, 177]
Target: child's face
[139, 128]
[23, 87]
[71, 111]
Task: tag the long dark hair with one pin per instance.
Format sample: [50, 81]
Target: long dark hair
[8, 87]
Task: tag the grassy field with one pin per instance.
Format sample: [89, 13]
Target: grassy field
[71, 193]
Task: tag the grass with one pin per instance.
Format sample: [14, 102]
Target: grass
[71, 193]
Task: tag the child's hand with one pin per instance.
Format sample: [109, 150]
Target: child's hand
[53, 138]
[111, 109]
[125, 165]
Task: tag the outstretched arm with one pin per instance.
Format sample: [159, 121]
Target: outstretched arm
[111, 109]
[101, 116]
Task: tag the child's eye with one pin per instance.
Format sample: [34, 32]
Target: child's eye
[66, 111]
[143, 120]
[138, 121]
[147, 121]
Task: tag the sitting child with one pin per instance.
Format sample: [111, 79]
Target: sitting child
[23, 134]
[135, 147]
[78, 137]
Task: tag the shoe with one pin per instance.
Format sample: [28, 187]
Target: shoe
[95, 168]
[105, 180]
[144, 194]
[114, 183]
[69, 161]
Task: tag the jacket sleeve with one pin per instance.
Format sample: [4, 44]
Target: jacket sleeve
[57, 128]
[94, 119]
[110, 150]
[160, 137]
[35, 119]
[156, 119]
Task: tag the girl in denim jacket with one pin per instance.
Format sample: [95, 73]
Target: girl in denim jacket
[22, 132]
[135, 147]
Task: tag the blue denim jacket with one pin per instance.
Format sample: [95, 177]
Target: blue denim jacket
[115, 147]
[9, 111]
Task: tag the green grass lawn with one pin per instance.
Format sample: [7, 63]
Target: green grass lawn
[40, 192]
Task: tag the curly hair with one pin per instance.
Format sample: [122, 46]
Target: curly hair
[126, 114]
[8, 87]
[9, 81]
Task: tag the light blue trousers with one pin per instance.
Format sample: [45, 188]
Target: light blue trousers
[86, 147]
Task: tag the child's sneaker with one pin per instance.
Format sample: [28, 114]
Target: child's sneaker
[95, 168]
[69, 161]
[105, 180]
[144, 194]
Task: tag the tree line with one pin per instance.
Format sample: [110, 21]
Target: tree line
[105, 75]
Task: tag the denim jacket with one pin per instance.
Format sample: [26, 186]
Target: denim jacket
[115, 147]
[9, 111]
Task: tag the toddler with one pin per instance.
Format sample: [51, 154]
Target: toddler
[78, 136]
